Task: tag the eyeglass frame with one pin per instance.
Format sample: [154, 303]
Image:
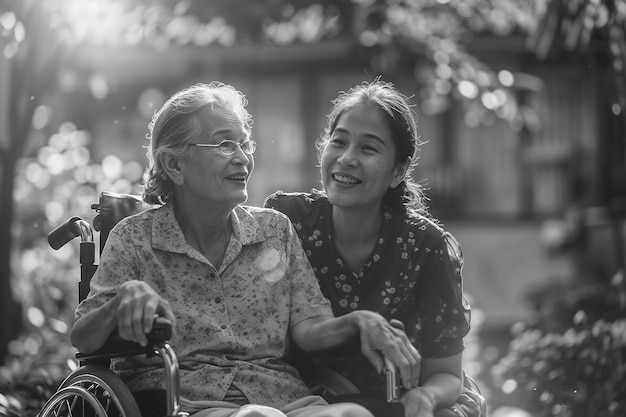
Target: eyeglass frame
[237, 145]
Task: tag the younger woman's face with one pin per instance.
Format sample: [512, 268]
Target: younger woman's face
[358, 163]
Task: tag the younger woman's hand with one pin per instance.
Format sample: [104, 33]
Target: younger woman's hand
[380, 340]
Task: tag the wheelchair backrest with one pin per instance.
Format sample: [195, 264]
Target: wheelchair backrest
[111, 208]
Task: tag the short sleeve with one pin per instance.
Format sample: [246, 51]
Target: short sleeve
[444, 312]
[455, 253]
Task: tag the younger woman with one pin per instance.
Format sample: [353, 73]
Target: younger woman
[373, 246]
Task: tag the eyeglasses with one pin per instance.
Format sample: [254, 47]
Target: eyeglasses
[229, 147]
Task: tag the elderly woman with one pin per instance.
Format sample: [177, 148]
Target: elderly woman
[233, 278]
[374, 246]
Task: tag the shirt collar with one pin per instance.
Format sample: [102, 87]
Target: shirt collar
[168, 236]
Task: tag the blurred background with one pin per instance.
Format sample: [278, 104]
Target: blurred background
[521, 106]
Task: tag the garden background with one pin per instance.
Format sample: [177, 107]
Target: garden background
[521, 106]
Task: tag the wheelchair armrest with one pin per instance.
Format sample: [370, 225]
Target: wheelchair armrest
[116, 347]
[328, 381]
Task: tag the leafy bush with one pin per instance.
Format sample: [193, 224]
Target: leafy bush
[579, 372]
[42, 356]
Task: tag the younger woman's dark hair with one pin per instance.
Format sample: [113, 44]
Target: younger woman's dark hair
[402, 122]
[175, 126]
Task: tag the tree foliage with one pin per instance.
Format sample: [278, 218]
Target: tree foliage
[592, 29]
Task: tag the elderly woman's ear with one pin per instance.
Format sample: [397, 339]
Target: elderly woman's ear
[172, 167]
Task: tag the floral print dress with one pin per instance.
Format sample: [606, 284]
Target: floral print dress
[413, 275]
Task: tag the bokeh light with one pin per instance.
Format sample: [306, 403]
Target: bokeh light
[54, 212]
[149, 101]
[467, 89]
[37, 175]
[112, 166]
[34, 314]
[41, 117]
[616, 109]
[506, 78]
[133, 171]
[509, 386]
[99, 86]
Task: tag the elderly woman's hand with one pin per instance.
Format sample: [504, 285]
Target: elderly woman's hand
[380, 340]
[137, 305]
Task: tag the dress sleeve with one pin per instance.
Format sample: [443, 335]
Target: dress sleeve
[455, 254]
[442, 310]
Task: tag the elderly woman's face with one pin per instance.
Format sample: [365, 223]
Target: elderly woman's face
[209, 175]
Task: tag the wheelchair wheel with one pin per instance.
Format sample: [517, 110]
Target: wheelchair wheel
[92, 391]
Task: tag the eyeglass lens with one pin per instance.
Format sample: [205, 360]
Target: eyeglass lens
[228, 147]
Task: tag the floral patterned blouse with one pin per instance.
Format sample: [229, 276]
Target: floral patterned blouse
[232, 323]
[413, 275]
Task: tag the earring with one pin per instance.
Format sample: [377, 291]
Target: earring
[178, 179]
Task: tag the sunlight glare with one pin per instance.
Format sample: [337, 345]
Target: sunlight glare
[98, 22]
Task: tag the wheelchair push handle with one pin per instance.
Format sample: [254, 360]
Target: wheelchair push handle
[162, 331]
[73, 227]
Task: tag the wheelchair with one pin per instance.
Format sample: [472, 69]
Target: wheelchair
[94, 390]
